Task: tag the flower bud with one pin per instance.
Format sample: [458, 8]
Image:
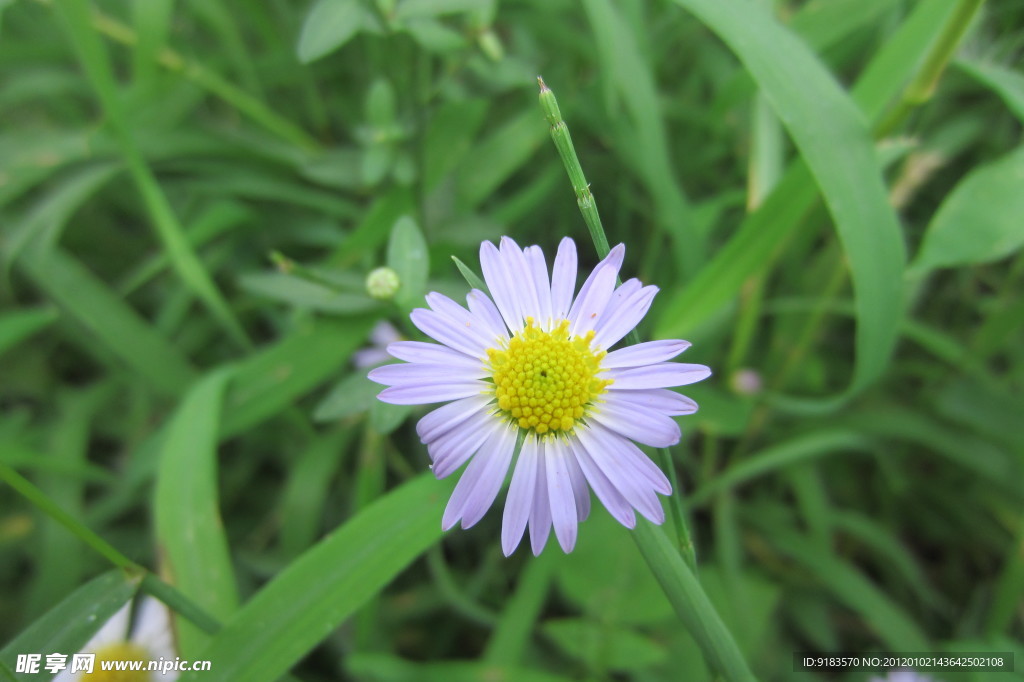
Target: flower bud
[383, 283]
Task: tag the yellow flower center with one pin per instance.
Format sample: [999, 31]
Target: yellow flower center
[121, 651]
[544, 380]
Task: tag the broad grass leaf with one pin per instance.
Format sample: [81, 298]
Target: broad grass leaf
[328, 26]
[832, 138]
[981, 221]
[321, 589]
[189, 529]
[604, 646]
[70, 624]
[409, 257]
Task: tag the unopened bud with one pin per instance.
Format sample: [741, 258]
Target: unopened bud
[383, 283]
[548, 103]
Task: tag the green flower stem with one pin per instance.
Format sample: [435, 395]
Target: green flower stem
[563, 142]
[690, 602]
[588, 207]
[150, 583]
[923, 85]
[673, 564]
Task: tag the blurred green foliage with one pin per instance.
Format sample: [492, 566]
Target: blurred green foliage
[192, 194]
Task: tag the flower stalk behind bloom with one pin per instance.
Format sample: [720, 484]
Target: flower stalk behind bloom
[536, 361]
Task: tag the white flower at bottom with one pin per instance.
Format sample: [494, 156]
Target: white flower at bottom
[903, 676]
[149, 638]
[535, 362]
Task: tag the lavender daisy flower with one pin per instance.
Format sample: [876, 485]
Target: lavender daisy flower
[535, 362]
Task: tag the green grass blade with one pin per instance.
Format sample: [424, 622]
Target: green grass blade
[763, 232]
[894, 64]
[272, 379]
[980, 221]
[326, 585]
[152, 22]
[633, 81]
[68, 626]
[802, 91]
[511, 636]
[305, 495]
[498, 156]
[388, 668]
[46, 221]
[823, 24]
[1006, 83]
[92, 53]
[305, 294]
[189, 531]
[409, 257]
[110, 324]
[893, 626]
[213, 83]
[766, 230]
[68, 444]
[782, 455]
[328, 26]
[18, 325]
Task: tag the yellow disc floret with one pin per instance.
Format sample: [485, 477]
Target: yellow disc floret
[120, 652]
[544, 380]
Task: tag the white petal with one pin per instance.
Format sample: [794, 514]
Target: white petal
[427, 392]
[560, 494]
[647, 353]
[114, 631]
[601, 446]
[632, 456]
[420, 351]
[663, 400]
[415, 373]
[647, 427]
[519, 502]
[540, 514]
[610, 497]
[522, 275]
[501, 286]
[483, 307]
[498, 452]
[661, 375]
[463, 320]
[622, 315]
[612, 261]
[563, 279]
[153, 630]
[623, 292]
[437, 423]
[579, 487]
[493, 460]
[593, 300]
[539, 269]
[440, 328]
[451, 451]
